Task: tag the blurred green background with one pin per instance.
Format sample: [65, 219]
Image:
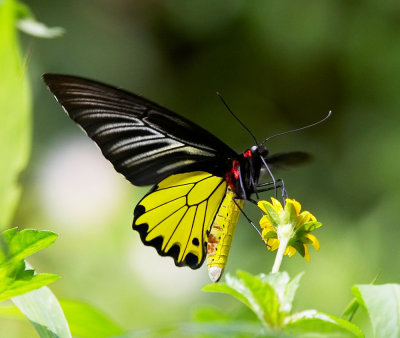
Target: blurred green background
[280, 65]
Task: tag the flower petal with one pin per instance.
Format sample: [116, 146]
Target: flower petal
[265, 223]
[290, 251]
[305, 216]
[261, 205]
[306, 253]
[277, 205]
[296, 204]
[315, 242]
[273, 243]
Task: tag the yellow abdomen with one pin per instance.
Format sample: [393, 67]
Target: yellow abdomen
[220, 237]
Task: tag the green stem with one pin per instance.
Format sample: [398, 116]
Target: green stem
[283, 242]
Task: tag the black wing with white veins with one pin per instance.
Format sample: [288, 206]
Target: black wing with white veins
[144, 141]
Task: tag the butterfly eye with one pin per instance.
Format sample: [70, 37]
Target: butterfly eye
[254, 148]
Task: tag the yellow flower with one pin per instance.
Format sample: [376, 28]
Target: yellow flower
[288, 222]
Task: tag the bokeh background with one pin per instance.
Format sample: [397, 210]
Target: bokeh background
[280, 65]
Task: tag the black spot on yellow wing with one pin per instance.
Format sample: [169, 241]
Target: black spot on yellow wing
[176, 216]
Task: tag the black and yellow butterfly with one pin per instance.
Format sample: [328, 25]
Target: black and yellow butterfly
[199, 182]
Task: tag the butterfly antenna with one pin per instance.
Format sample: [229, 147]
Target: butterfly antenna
[298, 129]
[237, 119]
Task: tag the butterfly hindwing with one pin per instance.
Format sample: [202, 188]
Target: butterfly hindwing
[144, 141]
[176, 216]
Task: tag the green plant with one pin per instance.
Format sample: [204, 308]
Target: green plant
[268, 298]
[18, 280]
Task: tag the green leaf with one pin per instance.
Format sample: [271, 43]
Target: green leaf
[87, 321]
[351, 310]
[235, 291]
[298, 246]
[84, 320]
[16, 245]
[284, 288]
[262, 298]
[10, 287]
[311, 323]
[354, 304]
[238, 289]
[383, 305]
[12, 270]
[311, 226]
[15, 108]
[290, 215]
[42, 309]
[271, 297]
[268, 296]
[22, 244]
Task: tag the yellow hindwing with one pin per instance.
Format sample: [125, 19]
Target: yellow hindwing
[176, 216]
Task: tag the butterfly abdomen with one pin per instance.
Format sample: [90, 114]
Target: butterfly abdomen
[220, 237]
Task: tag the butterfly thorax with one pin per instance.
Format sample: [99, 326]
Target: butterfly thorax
[244, 174]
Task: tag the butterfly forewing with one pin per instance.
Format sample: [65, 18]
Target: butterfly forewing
[144, 141]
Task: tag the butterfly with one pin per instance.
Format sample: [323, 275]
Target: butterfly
[199, 183]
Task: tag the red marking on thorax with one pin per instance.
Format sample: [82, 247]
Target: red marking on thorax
[247, 153]
[232, 175]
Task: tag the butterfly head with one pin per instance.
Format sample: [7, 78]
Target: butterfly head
[256, 151]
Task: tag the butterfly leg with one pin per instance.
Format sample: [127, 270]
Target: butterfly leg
[273, 185]
[267, 189]
[249, 220]
[247, 217]
[270, 174]
[279, 180]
